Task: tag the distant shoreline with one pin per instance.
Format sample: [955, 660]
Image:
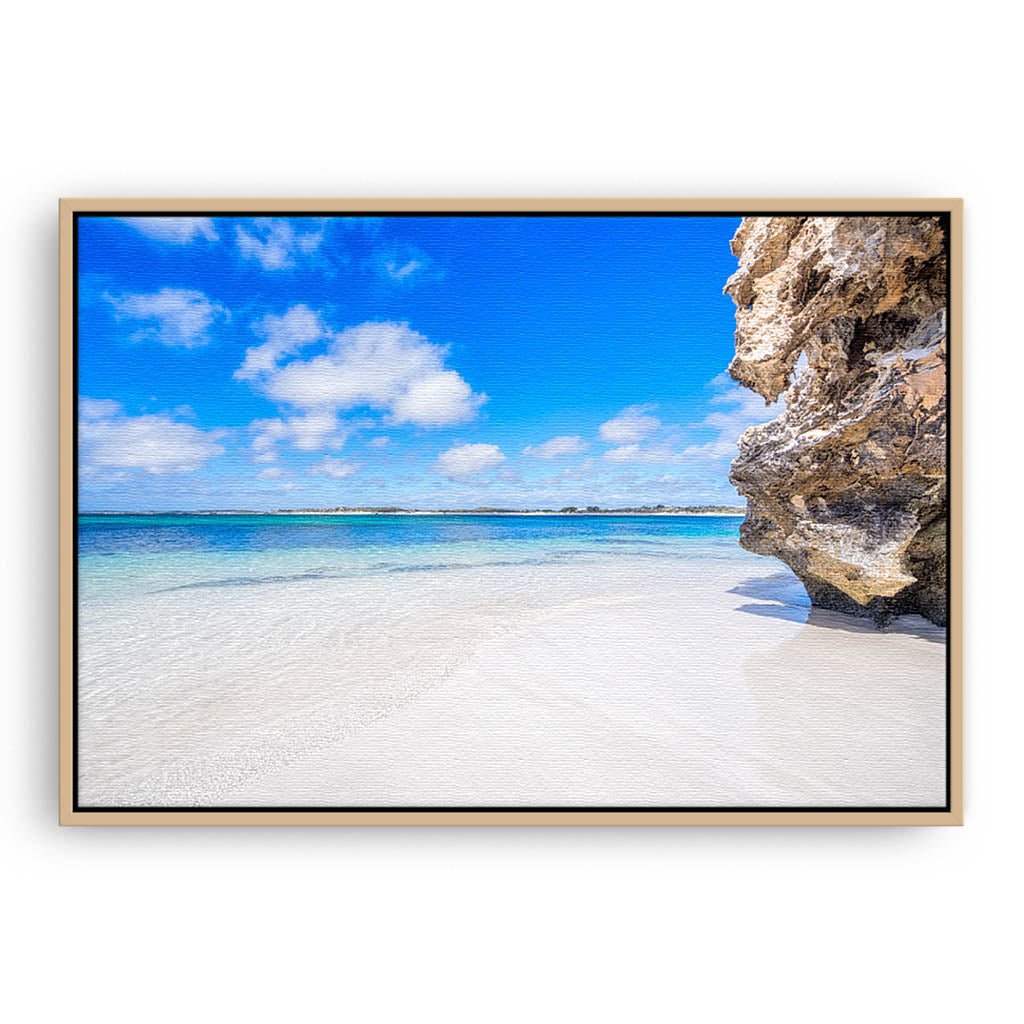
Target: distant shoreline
[724, 510]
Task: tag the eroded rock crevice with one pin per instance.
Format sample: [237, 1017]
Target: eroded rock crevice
[845, 318]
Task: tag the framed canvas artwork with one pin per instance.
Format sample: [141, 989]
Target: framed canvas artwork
[511, 512]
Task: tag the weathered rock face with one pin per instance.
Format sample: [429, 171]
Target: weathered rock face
[846, 318]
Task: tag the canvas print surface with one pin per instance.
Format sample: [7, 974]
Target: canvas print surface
[511, 511]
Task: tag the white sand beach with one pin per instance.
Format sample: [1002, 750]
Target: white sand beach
[638, 682]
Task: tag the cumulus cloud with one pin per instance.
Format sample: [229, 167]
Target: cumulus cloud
[378, 442]
[97, 408]
[153, 442]
[333, 467]
[178, 317]
[738, 410]
[469, 460]
[274, 243]
[558, 446]
[285, 335]
[306, 433]
[436, 400]
[176, 230]
[385, 366]
[270, 473]
[631, 425]
[734, 409]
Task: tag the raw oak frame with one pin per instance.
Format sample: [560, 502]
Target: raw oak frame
[952, 814]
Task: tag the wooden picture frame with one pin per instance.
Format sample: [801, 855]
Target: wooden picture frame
[71, 813]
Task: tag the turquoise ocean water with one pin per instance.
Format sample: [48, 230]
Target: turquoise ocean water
[128, 556]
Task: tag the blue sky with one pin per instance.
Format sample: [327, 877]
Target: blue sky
[417, 361]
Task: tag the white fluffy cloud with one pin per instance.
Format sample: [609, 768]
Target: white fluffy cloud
[333, 467]
[308, 433]
[565, 444]
[153, 442]
[97, 408]
[468, 460]
[275, 243]
[284, 335]
[385, 366]
[178, 317]
[436, 400]
[739, 409]
[176, 230]
[631, 425]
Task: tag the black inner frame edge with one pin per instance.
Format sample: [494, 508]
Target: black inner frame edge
[944, 216]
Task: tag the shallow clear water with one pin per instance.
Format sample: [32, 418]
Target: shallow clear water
[126, 556]
[269, 660]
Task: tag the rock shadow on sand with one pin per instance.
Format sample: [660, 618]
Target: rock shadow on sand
[782, 596]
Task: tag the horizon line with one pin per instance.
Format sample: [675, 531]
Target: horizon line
[397, 509]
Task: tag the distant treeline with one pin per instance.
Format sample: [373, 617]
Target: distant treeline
[567, 510]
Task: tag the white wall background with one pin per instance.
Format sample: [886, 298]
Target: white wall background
[206, 98]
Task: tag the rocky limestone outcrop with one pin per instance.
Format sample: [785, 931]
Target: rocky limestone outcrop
[845, 318]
